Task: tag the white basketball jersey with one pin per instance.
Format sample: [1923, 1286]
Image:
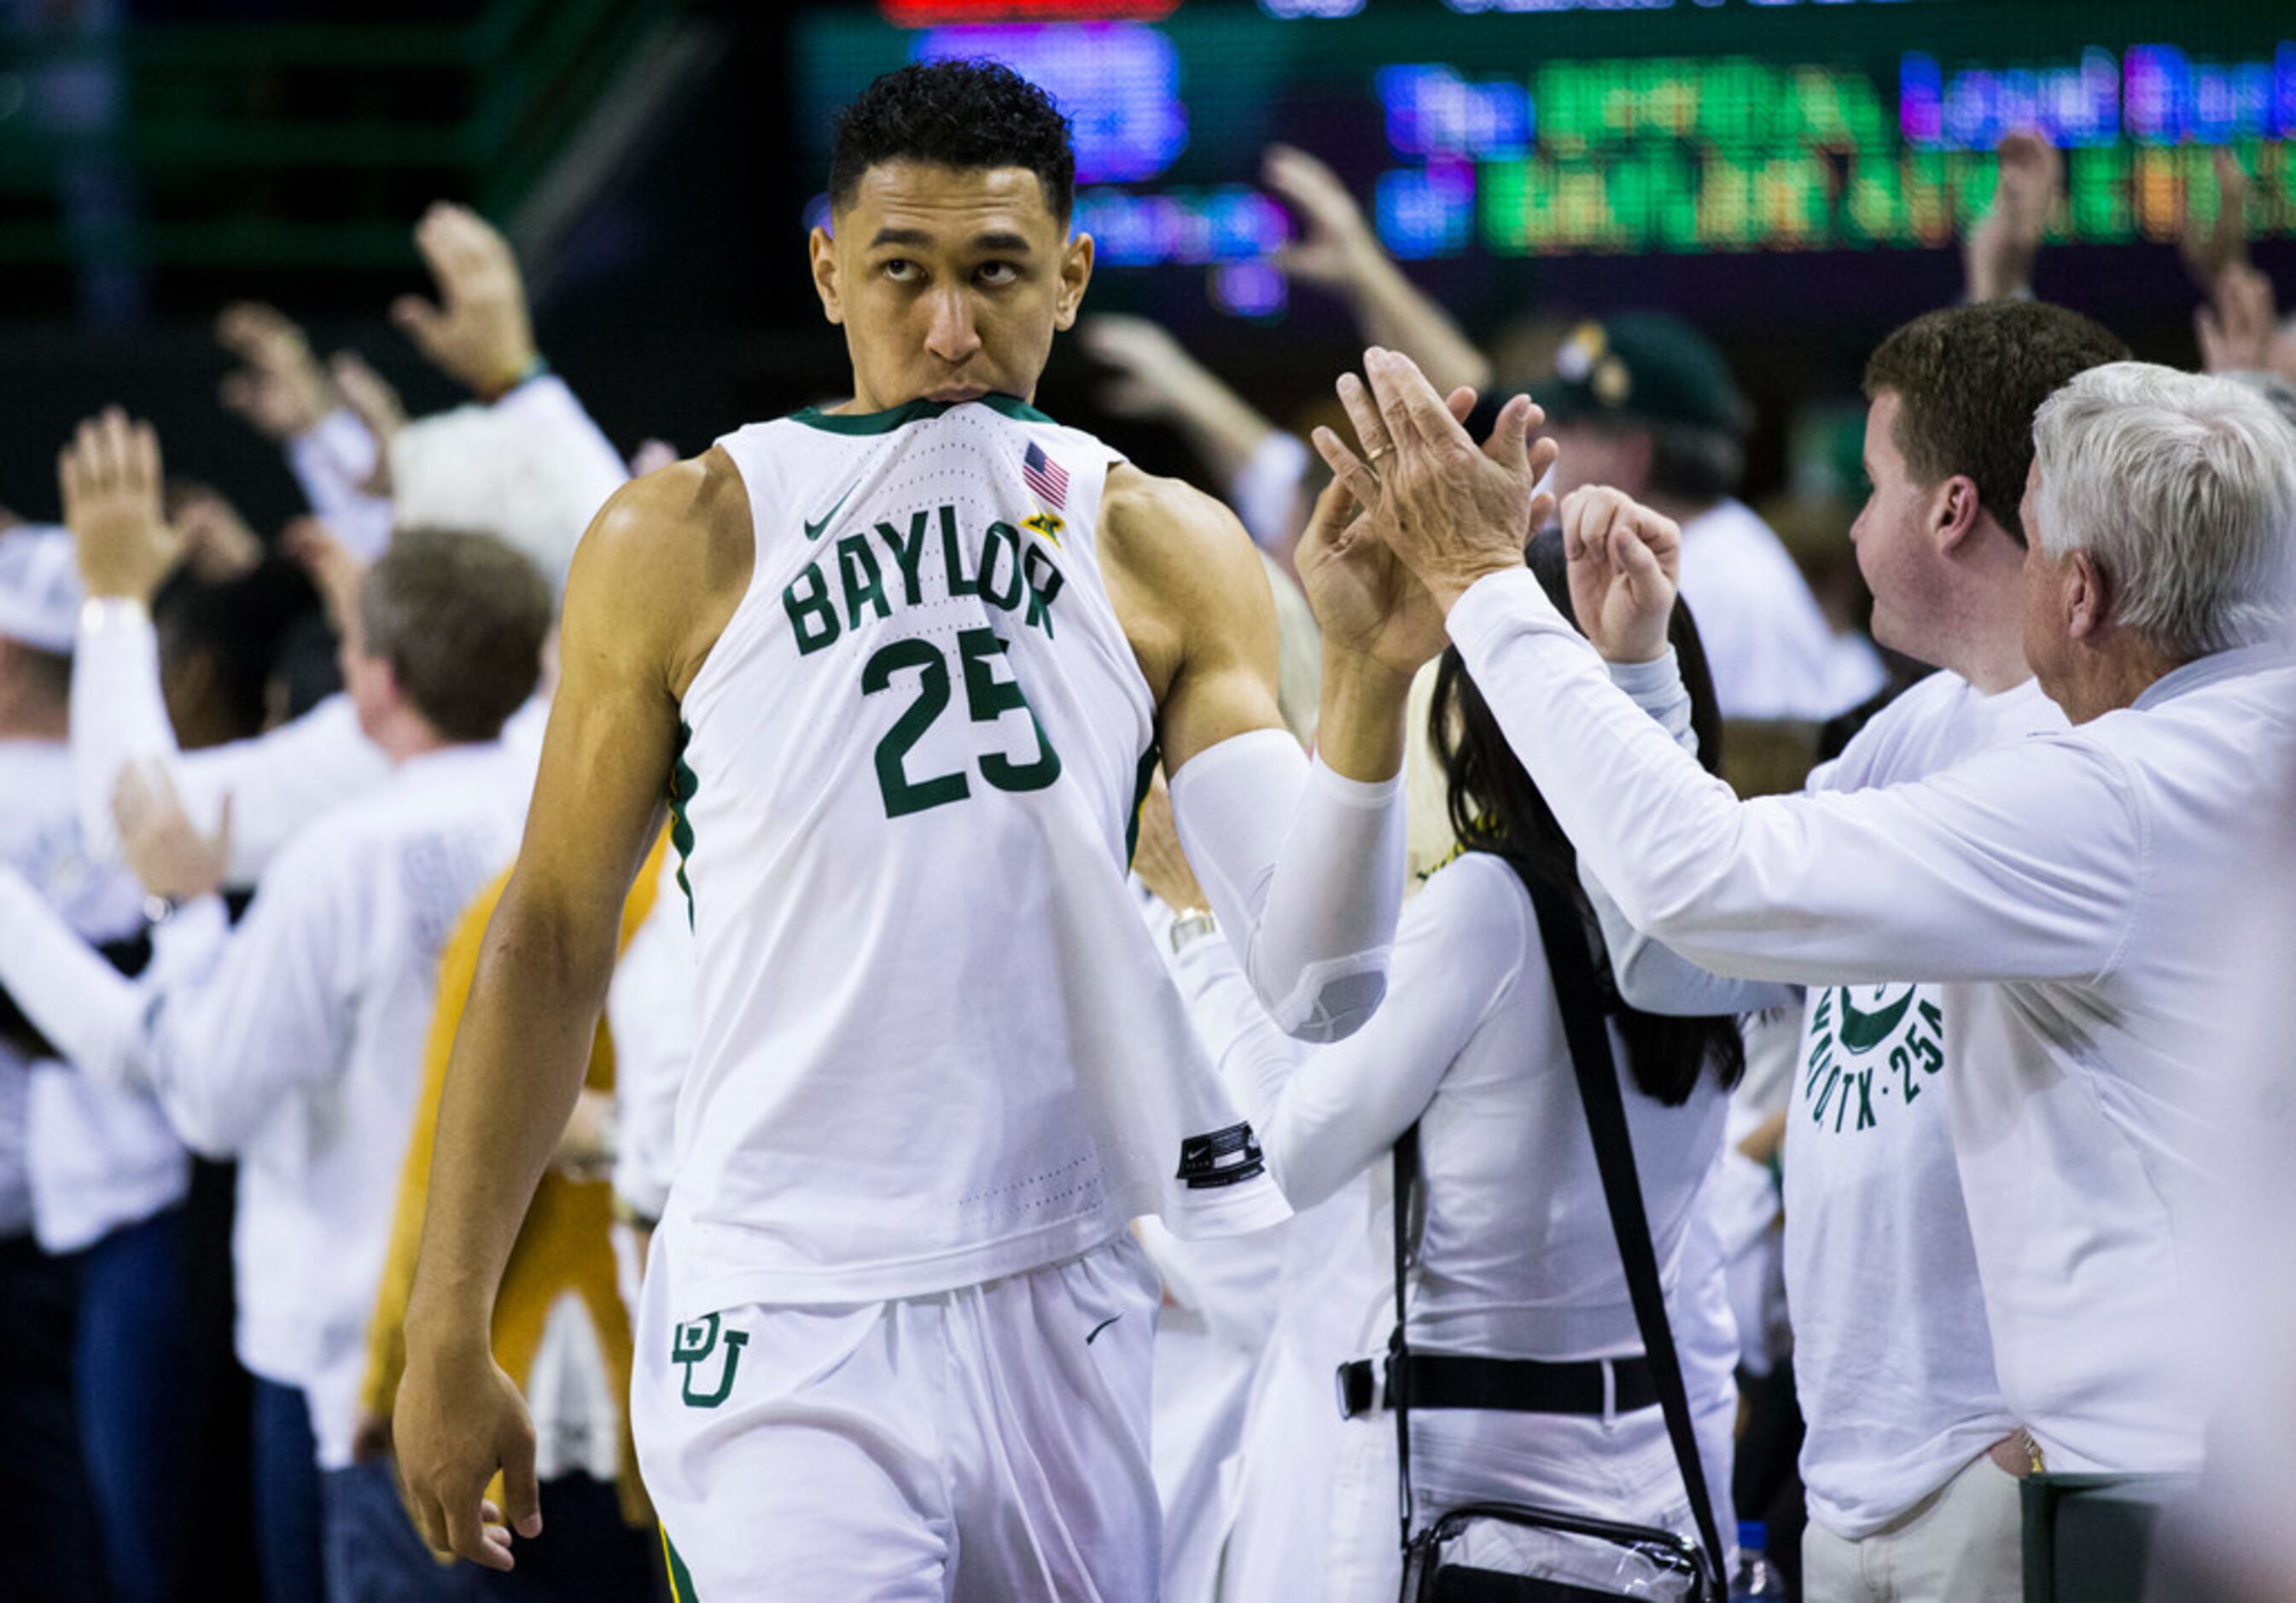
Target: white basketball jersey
[935, 1042]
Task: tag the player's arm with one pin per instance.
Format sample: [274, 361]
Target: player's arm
[652, 586]
[1302, 862]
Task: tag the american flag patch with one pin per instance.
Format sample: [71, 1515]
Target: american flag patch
[1044, 476]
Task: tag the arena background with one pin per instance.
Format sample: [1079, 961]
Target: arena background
[1791, 174]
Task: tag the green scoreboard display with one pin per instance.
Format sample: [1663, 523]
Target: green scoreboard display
[1515, 128]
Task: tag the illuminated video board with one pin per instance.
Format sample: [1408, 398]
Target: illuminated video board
[1524, 127]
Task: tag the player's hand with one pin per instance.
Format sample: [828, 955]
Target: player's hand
[1336, 247]
[1624, 560]
[218, 546]
[109, 476]
[279, 387]
[1999, 253]
[479, 333]
[159, 841]
[1451, 510]
[1157, 857]
[458, 1419]
[1363, 598]
[2236, 327]
[2209, 252]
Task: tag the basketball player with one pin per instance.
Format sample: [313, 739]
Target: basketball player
[904, 666]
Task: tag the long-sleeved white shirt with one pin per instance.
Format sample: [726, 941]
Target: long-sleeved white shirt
[2060, 892]
[279, 782]
[332, 460]
[78, 1159]
[297, 1047]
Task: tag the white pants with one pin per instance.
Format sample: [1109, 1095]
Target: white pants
[985, 1443]
[1963, 1543]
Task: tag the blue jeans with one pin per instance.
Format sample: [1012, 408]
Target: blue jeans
[373, 1553]
[47, 1548]
[286, 1496]
[134, 1408]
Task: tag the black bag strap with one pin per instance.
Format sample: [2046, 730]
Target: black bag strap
[1398, 1404]
[1579, 992]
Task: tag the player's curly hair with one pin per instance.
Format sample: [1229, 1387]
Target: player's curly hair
[964, 114]
[1495, 807]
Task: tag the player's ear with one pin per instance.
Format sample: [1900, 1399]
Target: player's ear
[823, 245]
[1076, 273]
[1955, 510]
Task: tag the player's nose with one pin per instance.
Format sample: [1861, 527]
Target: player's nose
[950, 333]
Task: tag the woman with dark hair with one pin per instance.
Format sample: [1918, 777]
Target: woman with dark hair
[1516, 1258]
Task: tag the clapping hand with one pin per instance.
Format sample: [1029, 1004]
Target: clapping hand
[479, 333]
[109, 476]
[1451, 510]
[1625, 562]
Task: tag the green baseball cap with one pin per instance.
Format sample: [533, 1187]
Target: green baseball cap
[1645, 366]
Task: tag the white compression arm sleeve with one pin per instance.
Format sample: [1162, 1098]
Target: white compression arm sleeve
[1303, 869]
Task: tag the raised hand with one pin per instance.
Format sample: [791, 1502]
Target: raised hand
[2223, 244]
[479, 333]
[1999, 253]
[1626, 561]
[334, 573]
[1453, 511]
[374, 403]
[159, 841]
[1153, 372]
[2235, 328]
[1336, 246]
[109, 476]
[279, 386]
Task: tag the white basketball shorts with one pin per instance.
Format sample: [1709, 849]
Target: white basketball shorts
[985, 1443]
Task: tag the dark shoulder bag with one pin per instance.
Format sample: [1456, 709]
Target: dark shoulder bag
[1508, 1553]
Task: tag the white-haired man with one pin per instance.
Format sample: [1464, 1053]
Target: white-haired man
[2062, 890]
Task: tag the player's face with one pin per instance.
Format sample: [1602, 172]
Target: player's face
[949, 282]
[1891, 535]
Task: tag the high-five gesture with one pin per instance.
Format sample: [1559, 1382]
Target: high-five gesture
[1363, 597]
[1451, 510]
[479, 333]
[1625, 562]
[109, 476]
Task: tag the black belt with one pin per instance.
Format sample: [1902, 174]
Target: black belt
[1517, 1386]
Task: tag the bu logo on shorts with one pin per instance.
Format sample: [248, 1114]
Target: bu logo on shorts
[693, 1343]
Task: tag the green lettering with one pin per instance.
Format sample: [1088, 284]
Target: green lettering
[1045, 582]
[1000, 537]
[951, 559]
[1865, 1099]
[808, 598]
[856, 565]
[908, 555]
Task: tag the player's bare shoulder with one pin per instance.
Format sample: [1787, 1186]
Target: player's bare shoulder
[1179, 566]
[667, 560]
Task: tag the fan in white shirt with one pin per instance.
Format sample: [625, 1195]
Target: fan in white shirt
[2063, 892]
[295, 1042]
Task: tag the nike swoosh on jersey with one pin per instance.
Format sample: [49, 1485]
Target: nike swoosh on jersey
[1104, 1325]
[813, 530]
[1864, 1031]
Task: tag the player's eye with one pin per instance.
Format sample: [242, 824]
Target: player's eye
[900, 269]
[998, 274]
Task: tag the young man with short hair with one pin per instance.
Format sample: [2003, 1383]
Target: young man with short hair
[902, 668]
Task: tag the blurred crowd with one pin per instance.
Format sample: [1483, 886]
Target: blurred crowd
[258, 791]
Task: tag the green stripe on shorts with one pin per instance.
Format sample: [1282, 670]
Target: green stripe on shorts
[681, 1579]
